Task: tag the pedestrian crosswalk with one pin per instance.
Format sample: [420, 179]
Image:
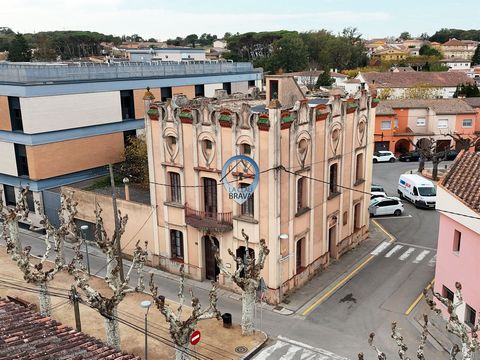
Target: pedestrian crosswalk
[287, 349]
[406, 252]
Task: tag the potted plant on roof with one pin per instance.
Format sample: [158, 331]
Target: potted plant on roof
[263, 122]
[375, 102]
[153, 112]
[186, 116]
[286, 119]
[351, 106]
[225, 118]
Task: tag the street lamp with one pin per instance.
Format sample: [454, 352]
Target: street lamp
[83, 230]
[281, 237]
[126, 181]
[146, 305]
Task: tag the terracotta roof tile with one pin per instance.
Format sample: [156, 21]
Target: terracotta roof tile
[24, 333]
[440, 106]
[463, 179]
[473, 101]
[406, 79]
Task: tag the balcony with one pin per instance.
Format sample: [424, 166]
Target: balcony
[207, 221]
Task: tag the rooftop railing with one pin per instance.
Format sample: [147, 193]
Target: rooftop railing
[46, 73]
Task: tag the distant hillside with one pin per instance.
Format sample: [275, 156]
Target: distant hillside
[445, 34]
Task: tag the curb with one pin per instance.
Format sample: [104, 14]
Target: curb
[257, 348]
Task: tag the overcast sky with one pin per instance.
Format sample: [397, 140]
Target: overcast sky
[165, 19]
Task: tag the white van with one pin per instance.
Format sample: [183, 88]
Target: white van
[420, 191]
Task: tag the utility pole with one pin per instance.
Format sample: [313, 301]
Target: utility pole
[117, 225]
[76, 309]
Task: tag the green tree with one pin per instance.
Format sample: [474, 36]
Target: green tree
[45, 50]
[424, 36]
[136, 161]
[405, 36]
[289, 54]
[325, 79]
[466, 90]
[19, 49]
[191, 39]
[427, 50]
[476, 56]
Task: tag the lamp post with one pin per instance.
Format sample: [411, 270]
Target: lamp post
[126, 181]
[83, 230]
[281, 237]
[146, 305]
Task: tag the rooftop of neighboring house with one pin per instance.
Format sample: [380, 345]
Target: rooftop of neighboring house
[28, 333]
[473, 101]
[440, 106]
[463, 179]
[402, 69]
[164, 49]
[315, 73]
[50, 73]
[407, 79]
[454, 60]
[455, 42]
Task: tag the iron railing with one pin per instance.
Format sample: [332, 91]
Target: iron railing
[208, 220]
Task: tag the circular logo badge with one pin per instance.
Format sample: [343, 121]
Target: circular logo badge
[240, 175]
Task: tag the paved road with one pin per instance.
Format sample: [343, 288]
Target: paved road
[386, 287]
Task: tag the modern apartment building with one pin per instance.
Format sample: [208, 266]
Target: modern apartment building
[400, 122]
[311, 211]
[61, 123]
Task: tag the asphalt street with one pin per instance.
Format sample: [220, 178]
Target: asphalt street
[387, 286]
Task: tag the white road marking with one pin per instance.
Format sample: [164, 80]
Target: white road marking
[432, 261]
[406, 254]
[393, 251]
[416, 246]
[380, 248]
[421, 256]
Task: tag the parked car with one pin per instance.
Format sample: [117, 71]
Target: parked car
[451, 155]
[409, 156]
[376, 188]
[383, 156]
[420, 191]
[386, 206]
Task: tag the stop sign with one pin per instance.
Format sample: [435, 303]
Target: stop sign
[195, 337]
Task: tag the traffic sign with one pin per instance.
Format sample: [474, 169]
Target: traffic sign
[195, 337]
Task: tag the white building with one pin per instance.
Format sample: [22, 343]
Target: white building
[166, 54]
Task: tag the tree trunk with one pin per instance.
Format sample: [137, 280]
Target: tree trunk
[434, 170]
[44, 299]
[421, 164]
[13, 232]
[113, 330]
[248, 309]
[182, 352]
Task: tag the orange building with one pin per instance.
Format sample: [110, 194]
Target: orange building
[398, 123]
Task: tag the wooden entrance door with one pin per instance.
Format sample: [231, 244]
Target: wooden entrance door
[211, 268]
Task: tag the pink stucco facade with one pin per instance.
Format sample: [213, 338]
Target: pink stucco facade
[462, 266]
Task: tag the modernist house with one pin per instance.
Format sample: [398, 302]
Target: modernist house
[61, 123]
[398, 122]
[459, 235]
[394, 85]
[305, 222]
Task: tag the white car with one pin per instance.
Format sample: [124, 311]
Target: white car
[386, 206]
[383, 156]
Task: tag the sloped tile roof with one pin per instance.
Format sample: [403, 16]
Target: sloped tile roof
[463, 179]
[25, 334]
[440, 106]
[473, 101]
[406, 79]
[453, 42]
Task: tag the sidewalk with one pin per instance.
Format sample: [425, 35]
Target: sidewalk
[299, 300]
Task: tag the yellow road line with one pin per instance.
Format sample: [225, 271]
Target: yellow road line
[417, 300]
[340, 283]
[348, 276]
[391, 237]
